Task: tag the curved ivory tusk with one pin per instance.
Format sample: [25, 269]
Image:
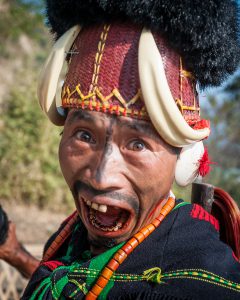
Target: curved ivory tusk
[161, 107]
[52, 75]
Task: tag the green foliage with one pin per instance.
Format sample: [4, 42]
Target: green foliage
[228, 179]
[182, 192]
[29, 169]
[224, 146]
[20, 17]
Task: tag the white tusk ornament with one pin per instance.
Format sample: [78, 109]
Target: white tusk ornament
[161, 107]
[53, 75]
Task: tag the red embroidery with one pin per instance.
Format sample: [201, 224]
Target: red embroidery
[199, 213]
[52, 264]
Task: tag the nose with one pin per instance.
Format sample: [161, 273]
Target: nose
[107, 171]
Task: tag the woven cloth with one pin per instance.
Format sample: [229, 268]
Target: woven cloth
[103, 73]
[182, 259]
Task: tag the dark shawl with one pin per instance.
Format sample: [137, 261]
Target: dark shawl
[182, 259]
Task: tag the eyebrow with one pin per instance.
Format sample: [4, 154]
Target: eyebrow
[79, 115]
[142, 127]
[136, 125]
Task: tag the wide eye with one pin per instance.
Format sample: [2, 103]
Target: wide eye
[84, 136]
[137, 145]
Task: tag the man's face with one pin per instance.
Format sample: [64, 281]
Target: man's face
[119, 171]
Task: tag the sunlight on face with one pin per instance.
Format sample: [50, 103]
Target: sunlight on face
[118, 169]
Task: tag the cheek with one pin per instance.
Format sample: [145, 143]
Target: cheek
[156, 170]
[156, 179]
[71, 161]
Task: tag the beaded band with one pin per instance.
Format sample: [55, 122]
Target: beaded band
[126, 249]
[61, 238]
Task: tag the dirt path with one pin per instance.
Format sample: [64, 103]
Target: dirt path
[34, 226]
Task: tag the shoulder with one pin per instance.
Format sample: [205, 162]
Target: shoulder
[193, 220]
[194, 243]
[195, 261]
[195, 231]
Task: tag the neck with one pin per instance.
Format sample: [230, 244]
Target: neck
[101, 245]
[157, 209]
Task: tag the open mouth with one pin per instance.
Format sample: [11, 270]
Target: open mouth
[106, 218]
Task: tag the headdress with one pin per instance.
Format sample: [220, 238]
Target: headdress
[141, 59]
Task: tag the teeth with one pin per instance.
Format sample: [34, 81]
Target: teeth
[102, 208]
[119, 225]
[103, 228]
[97, 225]
[95, 206]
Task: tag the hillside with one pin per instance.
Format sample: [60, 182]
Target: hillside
[29, 169]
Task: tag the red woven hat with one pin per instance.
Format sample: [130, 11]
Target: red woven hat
[103, 74]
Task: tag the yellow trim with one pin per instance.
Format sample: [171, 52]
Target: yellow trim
[98, 58]
[67, 95]
[187, 74]
[185, 107]
[179, 102]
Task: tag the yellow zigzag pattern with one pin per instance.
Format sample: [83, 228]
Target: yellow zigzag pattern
[97, 101]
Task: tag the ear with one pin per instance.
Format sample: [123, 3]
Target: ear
[187, 167]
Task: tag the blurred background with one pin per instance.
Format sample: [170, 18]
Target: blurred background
[32, 189]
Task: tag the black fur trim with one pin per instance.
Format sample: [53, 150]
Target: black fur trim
[204, 33]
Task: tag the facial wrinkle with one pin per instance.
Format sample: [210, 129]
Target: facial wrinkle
[79, 115]
[80, 186]
[138, 126]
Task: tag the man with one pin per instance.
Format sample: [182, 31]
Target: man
[131, 120]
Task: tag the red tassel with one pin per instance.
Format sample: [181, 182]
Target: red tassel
[202, 124]
[204, 164]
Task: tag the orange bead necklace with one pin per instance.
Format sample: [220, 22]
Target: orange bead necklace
[126, 249]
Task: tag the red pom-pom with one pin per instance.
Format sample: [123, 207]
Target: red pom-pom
[204, 164]
[202, 124]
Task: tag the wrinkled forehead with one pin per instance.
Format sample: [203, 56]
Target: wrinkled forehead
[76, 116]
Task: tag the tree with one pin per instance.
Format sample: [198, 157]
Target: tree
[224, 146]
[29, 168]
